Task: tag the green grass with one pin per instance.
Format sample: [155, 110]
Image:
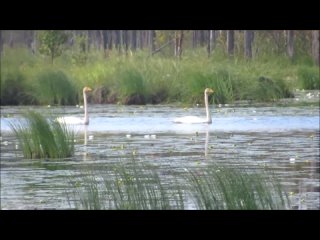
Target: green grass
[139, 186]
[42, 138]
[54, 87]
[140, 79]
[309, 78]
[221, 188]
[127, 187]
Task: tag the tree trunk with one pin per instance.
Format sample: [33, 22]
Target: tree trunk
[101, 41]
[126, 41]
[230, 42]
[110, 38]
[11, 39]
[181, 35]
[141, 39]
[315, 46]
[134, 40]
[105, 39]
[194, 39]
[117, 40]
[202, 38]
[248, 38]
[290, 44]
[210, 42]
[1, 42]
[152, 40]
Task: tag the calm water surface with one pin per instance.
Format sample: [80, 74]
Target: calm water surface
[284, 140]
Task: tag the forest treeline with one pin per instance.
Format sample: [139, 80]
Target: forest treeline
[248, 43]
[156, 66]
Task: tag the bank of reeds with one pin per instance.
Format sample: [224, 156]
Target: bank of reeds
[309, 78]
[140, 78]
[142, 187]
[43, 138]
[223, 188]
[134, 187]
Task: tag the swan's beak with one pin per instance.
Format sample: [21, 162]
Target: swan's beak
[87, 89]
[210, 90]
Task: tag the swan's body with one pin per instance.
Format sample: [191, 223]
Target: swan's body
[194, 119]
[76, 120]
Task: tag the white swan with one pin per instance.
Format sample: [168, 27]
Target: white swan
[194, 119]
[76, 120]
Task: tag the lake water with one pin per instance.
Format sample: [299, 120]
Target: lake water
[284, 140]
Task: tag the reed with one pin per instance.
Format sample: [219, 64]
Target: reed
[43, 138]
[127, 187]
[309, 78]
[219, 187]
[137, 186]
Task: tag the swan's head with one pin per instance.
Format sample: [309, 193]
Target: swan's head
[87, 89]
[208, 90]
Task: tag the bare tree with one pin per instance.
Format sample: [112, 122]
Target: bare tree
[290, 44]
[117, 40]
[126, 41]
[134, 40]
[315, 46]
[202, 38]
[194, 39]
[1, 42]
[248, 39]
[230, 42]
[179, 40]
[211, 32]
[152, 37]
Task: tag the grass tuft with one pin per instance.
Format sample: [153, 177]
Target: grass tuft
[42, 138]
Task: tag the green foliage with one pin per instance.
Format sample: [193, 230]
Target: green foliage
[54, 87]
[270, 90]
[309, 78]
[80, 50]
[126, 187]
[131, 86]
[219, 79]
[42, 138]
[141, 79]
[139, 186]
[218, 187]
[51, 42]
[14, 89]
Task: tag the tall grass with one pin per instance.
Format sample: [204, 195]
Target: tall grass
[140, 186]
[42, 138]
[140, 79]
[218, 187]
[54, 87]
[309, 78]
[131, 86]
[14, 89]
[135, 187]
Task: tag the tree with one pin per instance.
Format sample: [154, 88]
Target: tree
[210, 42]
[134, 40]
[315, 46]
[248, 39]
[51, 43]
[1, 42]
[230, 42]
[290, 44]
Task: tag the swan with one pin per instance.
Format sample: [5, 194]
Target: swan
[194, 119]
[76, 120]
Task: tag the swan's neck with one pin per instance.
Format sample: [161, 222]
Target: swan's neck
[86, 117]
[209, 120]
